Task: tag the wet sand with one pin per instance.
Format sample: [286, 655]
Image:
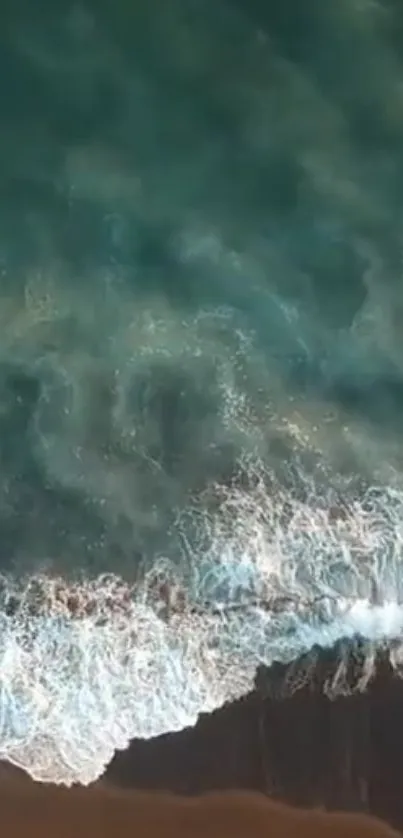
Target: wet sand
[30, 810]
[302, 746]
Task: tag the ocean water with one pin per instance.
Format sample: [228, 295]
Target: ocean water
[201, 357]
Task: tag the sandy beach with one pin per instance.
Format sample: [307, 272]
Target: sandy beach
[30, 810]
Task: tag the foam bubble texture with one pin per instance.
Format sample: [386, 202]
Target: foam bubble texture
[85, 667]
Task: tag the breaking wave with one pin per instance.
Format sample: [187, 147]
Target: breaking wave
[86, 666]
[201, 357]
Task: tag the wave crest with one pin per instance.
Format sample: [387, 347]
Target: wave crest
[264, 576]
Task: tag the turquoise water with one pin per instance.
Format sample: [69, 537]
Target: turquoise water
[196, 201]
[201, 353]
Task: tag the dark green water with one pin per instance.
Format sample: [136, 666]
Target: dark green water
[201, 356]
[200, 259]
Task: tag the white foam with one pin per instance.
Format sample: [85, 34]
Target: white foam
[86, 667]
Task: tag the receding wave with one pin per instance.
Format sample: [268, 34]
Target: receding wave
[87, 665]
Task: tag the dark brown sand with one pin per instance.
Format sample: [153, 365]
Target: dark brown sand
[30, 810]
[344, 753]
